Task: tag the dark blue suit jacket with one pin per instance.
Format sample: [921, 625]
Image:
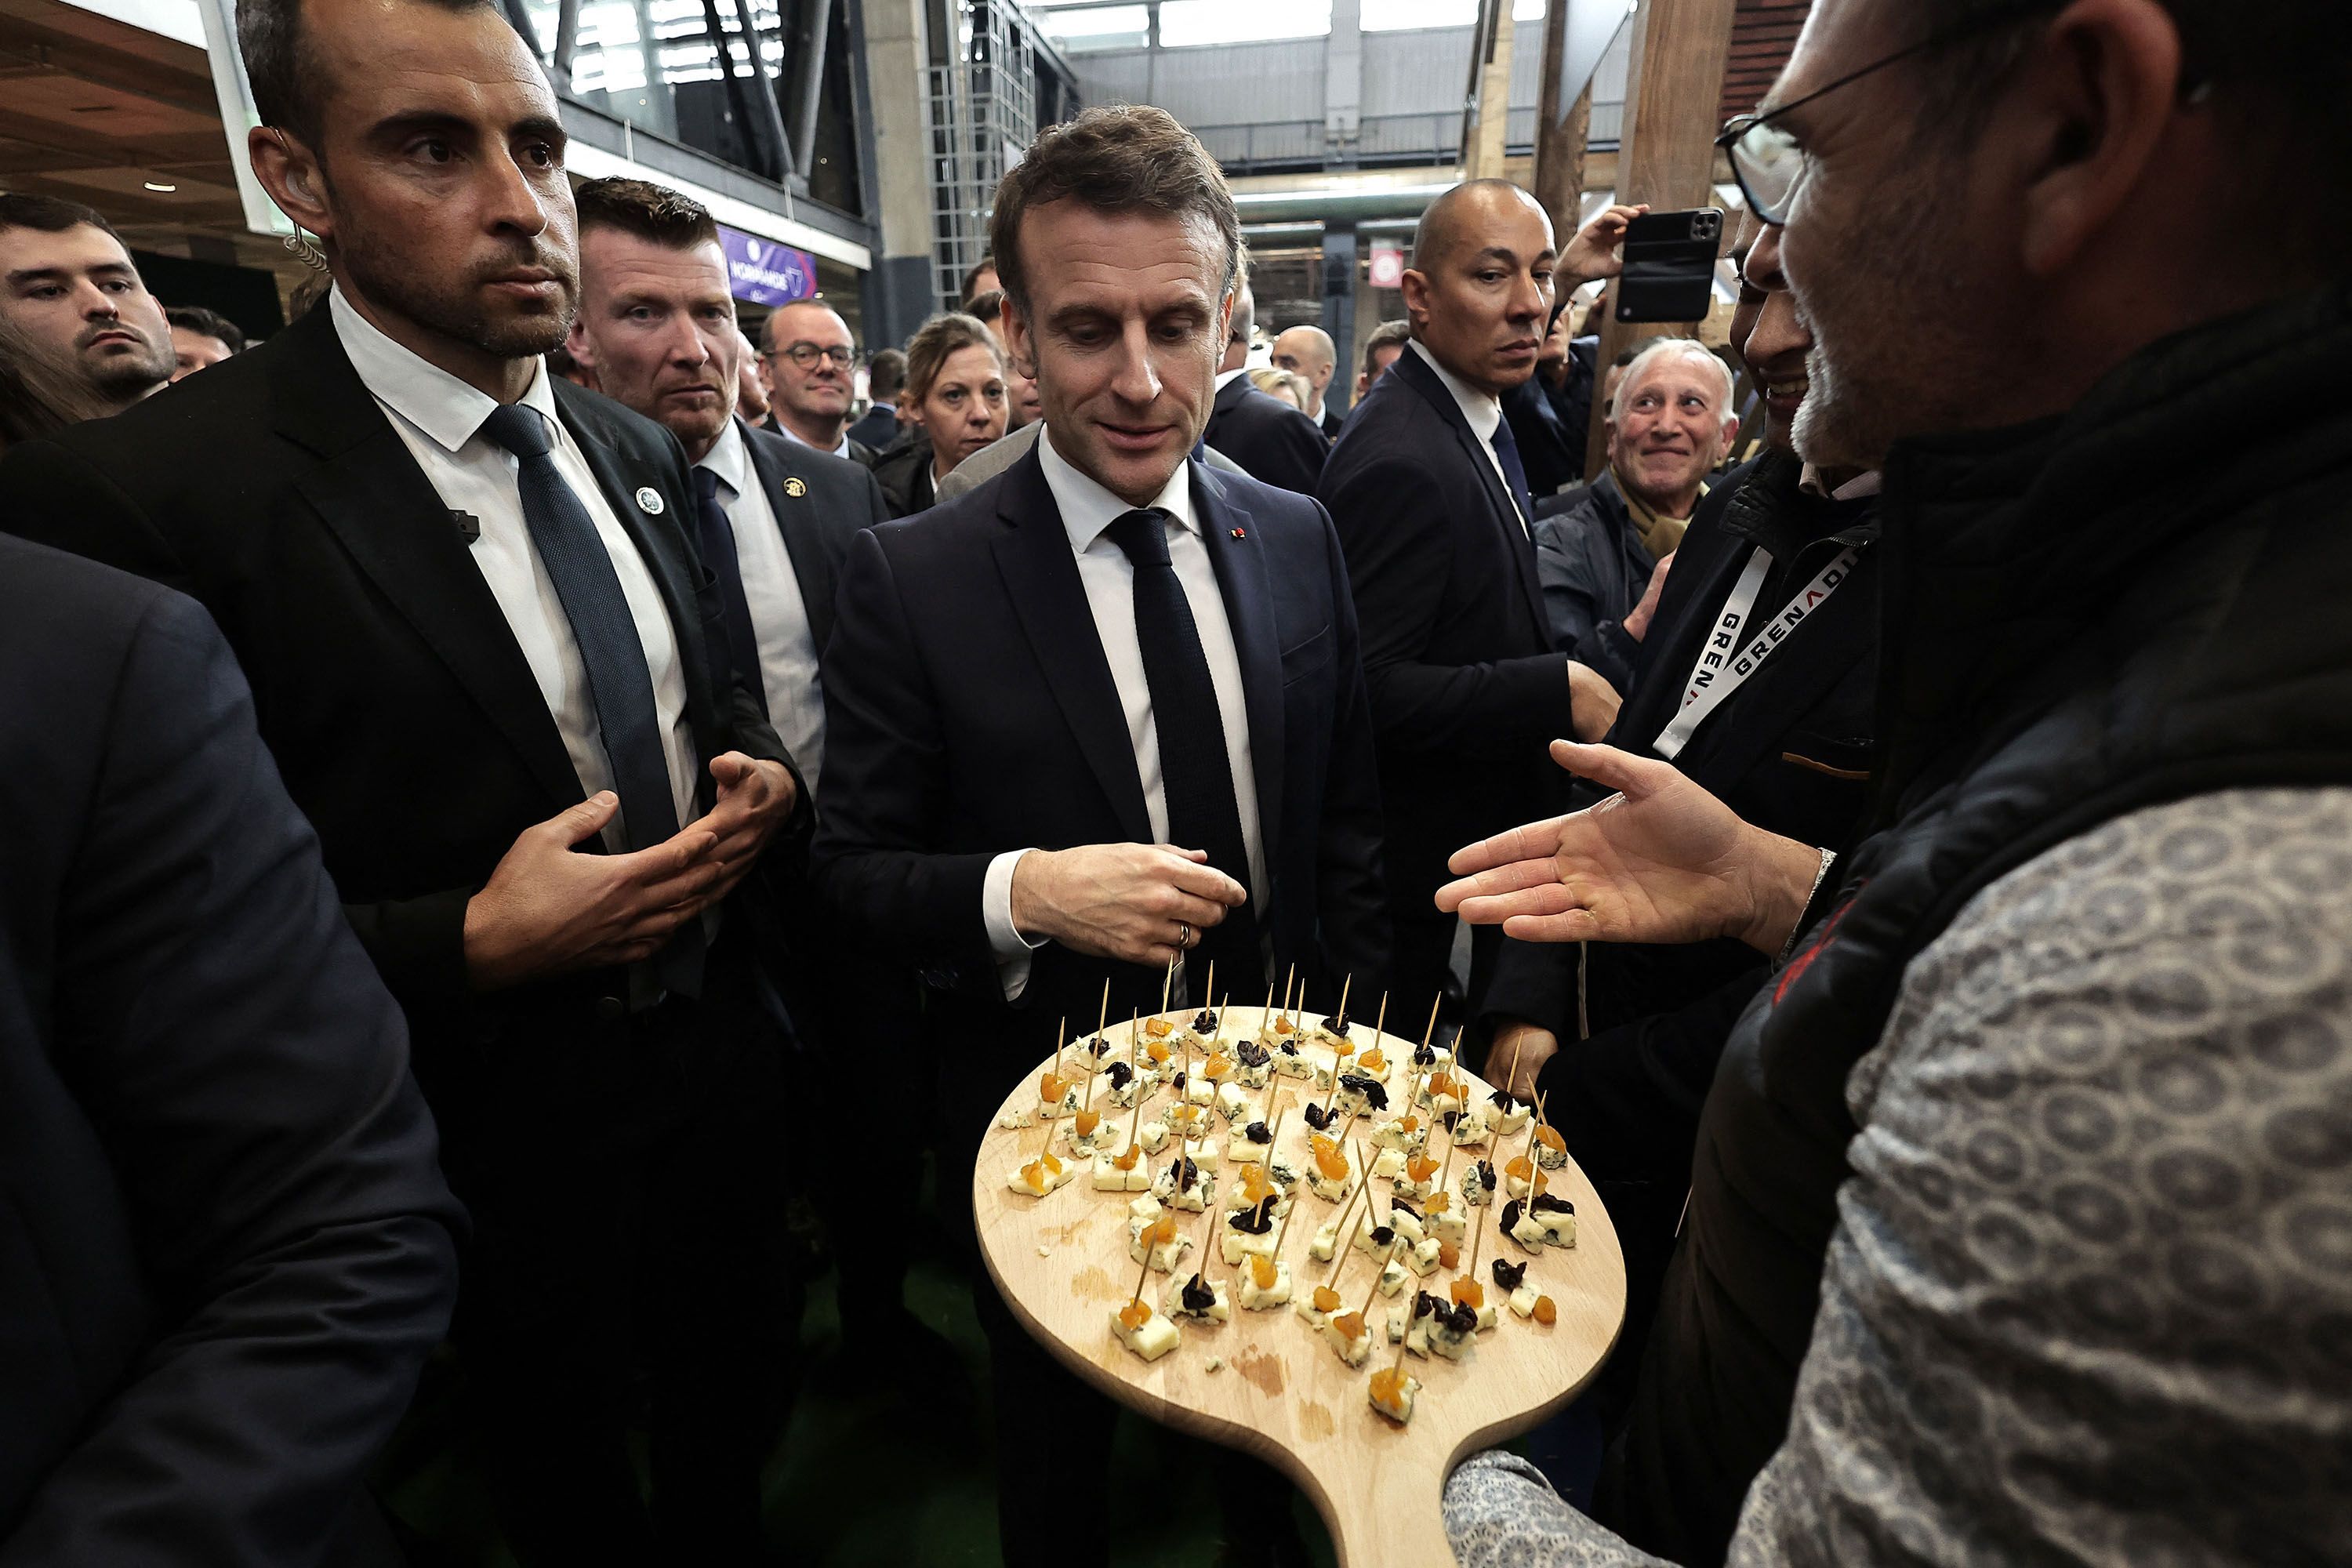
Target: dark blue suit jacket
[1272, 441]
[225, 1247]
[970, 710]
[1467, 690]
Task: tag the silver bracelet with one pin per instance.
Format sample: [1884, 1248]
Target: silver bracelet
[1829, 858]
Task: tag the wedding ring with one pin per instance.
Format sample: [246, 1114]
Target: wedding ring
[1183, 936]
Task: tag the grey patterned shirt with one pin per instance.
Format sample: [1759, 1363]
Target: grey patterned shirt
[2090, 1297]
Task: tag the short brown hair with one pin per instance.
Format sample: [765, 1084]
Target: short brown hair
[651, 212]
[50, 214]
[936, 340]
[1125, 158]
[1387, 335]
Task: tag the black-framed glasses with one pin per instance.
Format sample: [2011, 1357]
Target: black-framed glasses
[805, 354]
[1770, 164]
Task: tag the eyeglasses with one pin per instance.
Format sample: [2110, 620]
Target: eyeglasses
[1769, 164]
[806, 355]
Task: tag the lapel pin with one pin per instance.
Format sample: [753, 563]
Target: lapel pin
[1239, 534]
[649, 500]
[795, 486]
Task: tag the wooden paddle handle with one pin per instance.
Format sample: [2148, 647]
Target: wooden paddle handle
[1403, 1527]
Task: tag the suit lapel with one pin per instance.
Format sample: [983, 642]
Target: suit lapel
[812, 567]
[1239, 556]
[368, 492]
[1502, 510]
[1041, 578]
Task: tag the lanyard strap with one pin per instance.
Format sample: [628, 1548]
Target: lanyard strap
[1723, 665]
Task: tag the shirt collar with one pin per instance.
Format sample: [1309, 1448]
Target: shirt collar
[729, 459]
[839, 450]
[1225, 378]
[446, 409]
[1483, 409]
[1855, 489]
[1087, 507]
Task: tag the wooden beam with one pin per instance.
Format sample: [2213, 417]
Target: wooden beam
[1561, 138]
[1666, 155]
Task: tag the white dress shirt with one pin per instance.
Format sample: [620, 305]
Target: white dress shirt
[839, 450]
[1088, 512]
[1225, 378]
[1484, 410]
[438, 418]
[772, 589]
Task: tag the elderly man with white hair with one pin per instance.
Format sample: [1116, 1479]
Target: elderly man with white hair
[1603, 554]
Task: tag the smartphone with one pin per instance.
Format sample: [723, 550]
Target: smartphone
[1669, 265]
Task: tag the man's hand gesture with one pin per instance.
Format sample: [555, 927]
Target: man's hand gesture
[1660, 861]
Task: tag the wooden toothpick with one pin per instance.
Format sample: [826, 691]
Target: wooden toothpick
[1430, 1033]
[1169, 984]
[1342, 1014]
[1365, 1312]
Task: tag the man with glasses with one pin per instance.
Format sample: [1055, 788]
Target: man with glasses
[2043, 1123]
[811, 359]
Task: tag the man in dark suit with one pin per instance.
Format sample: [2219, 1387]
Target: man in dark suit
[809, 353]
[886, 377]
[1104, 711]
[226, 1248]
[1427, 490]
[774, 520]
[1271, 440]
[465, 600]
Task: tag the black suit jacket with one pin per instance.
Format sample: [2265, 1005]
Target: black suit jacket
[1271, 440]
[399, 706]
[1467, 690]
[820, 501]
[971, 711]
[224, 1246]
[876, 430]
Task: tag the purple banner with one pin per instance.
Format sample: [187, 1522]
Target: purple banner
[763, 272]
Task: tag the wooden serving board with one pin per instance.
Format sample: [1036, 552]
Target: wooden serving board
[1282, 1394]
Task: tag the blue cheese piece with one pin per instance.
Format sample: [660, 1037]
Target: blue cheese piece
[1330, 1189]
[1415, 1337]
[1394, 1277]
[1393, 1400]
[1447, 1226]
[1550, 1157]
[1389, 1164]
[1325, 1241]
[1110, 1178]
[1238, 1244]
[1422, 1259]
[1067, 1105]
[1153, 1136]
[1477, 1186]
[1233, 1102]
[1353, 1349]
[1531, 1232]
[1153, 1338]
[1200, 1091]
[1016, 1120]
[1202, 1151]
[1166, 1255]
[1035, 1178]
[1558, 1219]
[1254, 1299]
[1470, 1130]
[1394, 1134]
[1185, 1299]
[1093, 1142]
[1506, 1113]
[1523, 1301]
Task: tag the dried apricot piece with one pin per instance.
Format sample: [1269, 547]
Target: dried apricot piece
[1333, 1163]
[1050, 1088]
[1262, 1270]
[1351, 1324]
[1545, 1312]
[1448, 1255]
[1086, 1123]
[1134, 1315]
[1519, 1168]
[1469, 1293]
[1126, 1159]
[1158, 1028]
[1419, 1168]
[1326, 1299]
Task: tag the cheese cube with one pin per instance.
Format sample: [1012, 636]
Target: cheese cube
[1110, 1178]
[1153, 1338]
[1353, 1349]
[1523, 1300]
[1237, 1245]
[1255, 1299]
[1219, 1309]
[1422, 1259]
[1389, 1163]
[1202, 1151]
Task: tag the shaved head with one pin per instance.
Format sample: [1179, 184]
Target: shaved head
[1468, 208]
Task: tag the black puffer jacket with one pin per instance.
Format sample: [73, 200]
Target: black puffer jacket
[904, 472]
[2077, 623]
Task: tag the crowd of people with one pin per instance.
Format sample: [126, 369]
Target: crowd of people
[482, 757]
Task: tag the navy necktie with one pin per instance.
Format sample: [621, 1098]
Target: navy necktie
[714, 536]
[620, 684]
[1195, 773]
[1507, 451]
